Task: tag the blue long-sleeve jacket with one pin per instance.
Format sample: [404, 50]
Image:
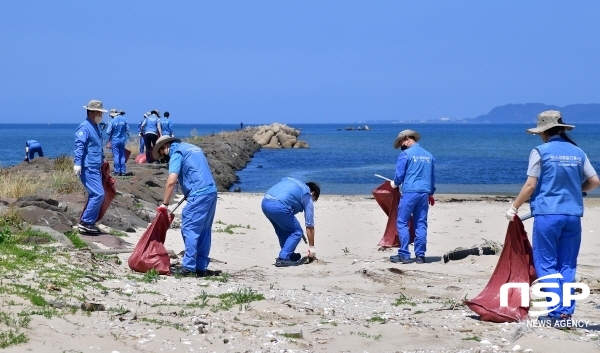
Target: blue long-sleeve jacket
[415, 170]
[118, 129]
[88, 146]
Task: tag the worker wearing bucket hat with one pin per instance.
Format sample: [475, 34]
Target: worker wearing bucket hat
[118, 133]
[152, 131]
[88, 159]
[558, 173]
[415, 172]
[188, 166]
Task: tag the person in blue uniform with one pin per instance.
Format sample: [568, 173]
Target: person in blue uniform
[141, 131]
[166, 125]
[152, 131]
[31, 148]
[189, 168]
[118, 133]
[280, 205]
[558, 174]
[415, 172]
[88, 160]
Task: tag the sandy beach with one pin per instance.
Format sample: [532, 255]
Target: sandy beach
[351, 300]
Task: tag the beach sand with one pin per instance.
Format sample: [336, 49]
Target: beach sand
[341, 303]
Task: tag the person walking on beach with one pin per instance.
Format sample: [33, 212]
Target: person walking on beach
[88, 160]
[118, 133]
[141, 130]
[188, 166]
[31, 148]
[557, 175]
[166, 125]
[280, 205]
[415, 172]
[152, 131]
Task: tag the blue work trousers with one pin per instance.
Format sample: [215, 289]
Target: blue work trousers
[415, 204]
[91, 178]
[196, 223]
[556, 241]
[118, 151]
[286, 226]
[142, 144]
[33, 150]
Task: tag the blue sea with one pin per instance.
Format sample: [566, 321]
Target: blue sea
[470, 158]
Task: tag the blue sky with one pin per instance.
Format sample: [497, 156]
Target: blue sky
[294, 61]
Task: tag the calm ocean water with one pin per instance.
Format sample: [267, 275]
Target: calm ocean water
[470, 158]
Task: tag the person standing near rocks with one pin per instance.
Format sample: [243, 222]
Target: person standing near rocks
[166, 125]
[188, 166]
[280, 205]
[152, 131]
[89, 156]
[31, 148]
[558, 173]
[415, 172]
[141, 130]
[118, 133]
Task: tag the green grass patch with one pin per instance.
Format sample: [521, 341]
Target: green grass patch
[403, 300]
[76, 240]
[472, 338]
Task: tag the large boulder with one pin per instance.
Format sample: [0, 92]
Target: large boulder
[278, 135]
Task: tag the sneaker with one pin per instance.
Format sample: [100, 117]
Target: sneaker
[89, 229]
[295, 256]
[182, 272]
[208, 273]
[398, 259]
[286, 263]
[546, 321]
[420, 259]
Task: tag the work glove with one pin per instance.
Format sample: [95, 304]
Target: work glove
[312, 252]
[166, 207]
[511, 213]
[431, 200]
[393, 185]
[77, 170]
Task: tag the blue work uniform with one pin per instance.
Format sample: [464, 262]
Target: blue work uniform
[118, 132]
[89, 155]
[166, 127]
[197, 183]
[557, 207]
[151, 134]
[415, 172]
[280, 205]
[141, 129]
[33, 147]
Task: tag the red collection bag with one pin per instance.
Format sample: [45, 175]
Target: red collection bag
[110, 190]
[150, 252]
[388, 199]
[514, 265]
[140, 159]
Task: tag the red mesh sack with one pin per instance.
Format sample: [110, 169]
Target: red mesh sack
[110, 190]
[388, 199]
[150, 252]
[514, 265]
[140, 159]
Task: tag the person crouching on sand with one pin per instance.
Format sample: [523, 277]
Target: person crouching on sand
[280, 204]
[188, 166]
[558, 173]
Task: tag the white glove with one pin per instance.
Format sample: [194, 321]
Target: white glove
[77, 170]
[393, 185]
[162, 205]
[312, 252]
[511, 213]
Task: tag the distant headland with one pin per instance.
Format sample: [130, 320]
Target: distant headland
[519, 113]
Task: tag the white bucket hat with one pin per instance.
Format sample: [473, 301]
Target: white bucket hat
[95, 105]
[547, 120]
[406, 133]
[159, 143]
[113, 113]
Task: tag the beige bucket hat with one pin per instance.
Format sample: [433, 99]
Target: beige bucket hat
[95, 105]
[406, 133]
[547, 120]
[159, 143]
[113, 113]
